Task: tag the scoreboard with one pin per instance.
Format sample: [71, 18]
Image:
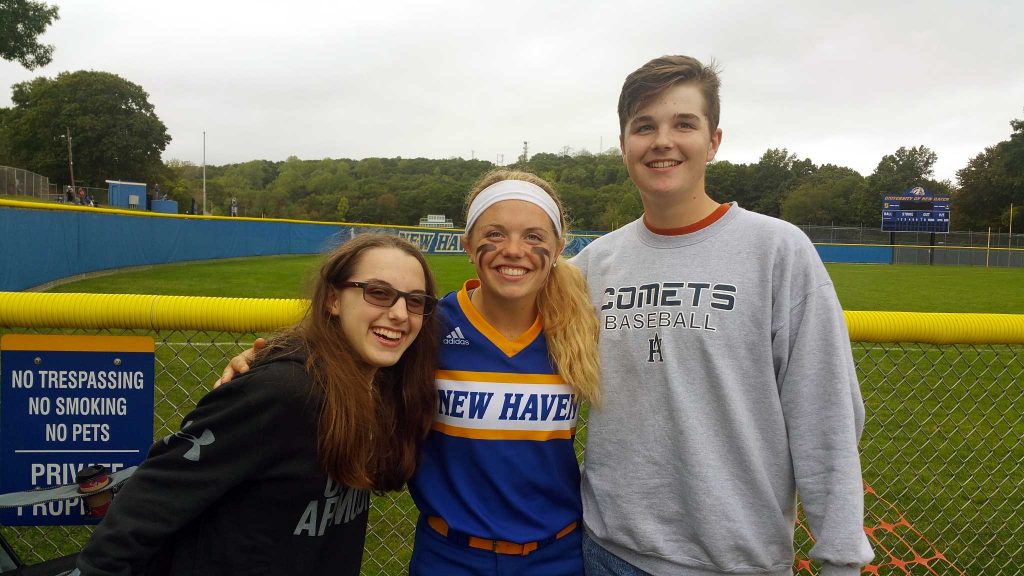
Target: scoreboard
[916, 210]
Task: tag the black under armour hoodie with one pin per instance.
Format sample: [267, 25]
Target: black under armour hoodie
[238, 490]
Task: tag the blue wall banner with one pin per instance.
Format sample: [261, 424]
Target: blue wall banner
[67, 402]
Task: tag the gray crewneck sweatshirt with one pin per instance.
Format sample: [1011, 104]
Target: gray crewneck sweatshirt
[729, 384]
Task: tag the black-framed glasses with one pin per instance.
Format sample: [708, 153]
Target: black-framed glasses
[385, 296]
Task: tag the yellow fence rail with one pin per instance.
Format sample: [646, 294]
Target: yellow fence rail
[151, 312]
[147, 312]
[943, 446]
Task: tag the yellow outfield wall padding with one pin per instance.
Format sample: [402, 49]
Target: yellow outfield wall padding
[148, 312]
[147, 214]
[935, 328]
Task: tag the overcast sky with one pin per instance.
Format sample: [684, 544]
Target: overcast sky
[837, 82]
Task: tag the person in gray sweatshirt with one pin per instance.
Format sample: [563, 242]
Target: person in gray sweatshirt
[728, 380]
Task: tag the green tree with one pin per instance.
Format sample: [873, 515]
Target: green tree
[369, 167]
[906, 168]
[826, 197]
[728, 182]
[895, 173]
[181, 180]
[989, 183]
[772, 177]
[621, 211]
[21, 24]
[252, 175]
[115, 131]
[865, 205]
[341, 209]
[595, 188]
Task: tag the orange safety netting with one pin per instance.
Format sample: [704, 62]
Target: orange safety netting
[899, 547]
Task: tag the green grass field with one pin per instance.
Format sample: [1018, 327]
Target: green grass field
[21, 198]
[915, 288]
[942, 440]
[266, 277]
[909, 288]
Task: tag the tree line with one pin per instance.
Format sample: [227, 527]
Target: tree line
[117, 135]
[598, 193]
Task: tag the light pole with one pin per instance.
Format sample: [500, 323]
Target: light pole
[71, 163]
[204, 172]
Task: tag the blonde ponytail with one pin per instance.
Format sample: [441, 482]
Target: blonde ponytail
[571, 330]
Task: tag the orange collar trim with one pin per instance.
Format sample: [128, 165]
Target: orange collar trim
[704, 223]
[509, 347]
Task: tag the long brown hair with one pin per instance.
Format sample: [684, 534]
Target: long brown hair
[369, 436]
[570, 323]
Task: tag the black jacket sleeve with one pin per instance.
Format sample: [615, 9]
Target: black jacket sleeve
[216, 449]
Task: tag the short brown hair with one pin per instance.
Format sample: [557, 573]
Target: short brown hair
[663, 73]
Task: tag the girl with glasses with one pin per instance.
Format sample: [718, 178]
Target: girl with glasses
[333, 408]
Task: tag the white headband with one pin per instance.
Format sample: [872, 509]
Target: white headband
[514, 190]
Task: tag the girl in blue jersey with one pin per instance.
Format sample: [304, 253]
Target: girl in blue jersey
[498, 480]
[498, 483]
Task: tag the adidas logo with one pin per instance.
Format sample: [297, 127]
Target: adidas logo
[456, 337]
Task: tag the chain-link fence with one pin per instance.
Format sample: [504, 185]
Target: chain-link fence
[996, 248]
[18, 182]
[83, 196]
[943, 446]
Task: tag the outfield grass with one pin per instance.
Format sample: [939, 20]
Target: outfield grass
[22, 198]
[909, 288]
[264, 277]
[916, 288]
[942, 439]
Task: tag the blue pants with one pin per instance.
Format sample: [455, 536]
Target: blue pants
[433, 555]
[600, 562]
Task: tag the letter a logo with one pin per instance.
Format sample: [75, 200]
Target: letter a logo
[655, 349]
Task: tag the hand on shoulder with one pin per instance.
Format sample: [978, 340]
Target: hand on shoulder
[240, 363]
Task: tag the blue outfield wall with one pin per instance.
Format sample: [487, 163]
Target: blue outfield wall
[41, 245]
[855, 254]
